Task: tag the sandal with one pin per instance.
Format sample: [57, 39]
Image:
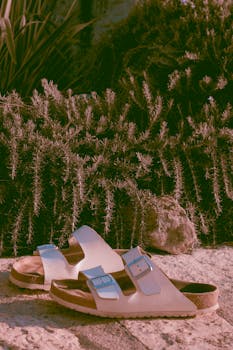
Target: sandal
[86, 250]
[140, 290]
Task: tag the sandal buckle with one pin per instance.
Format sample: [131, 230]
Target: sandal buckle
[46, 246]
[102, 281]
[139, 267]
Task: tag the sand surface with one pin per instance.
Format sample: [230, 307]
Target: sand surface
[31, 320]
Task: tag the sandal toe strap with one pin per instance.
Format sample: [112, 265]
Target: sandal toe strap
[55, 264]
[96, 251]
[140, 269]
[102, 284]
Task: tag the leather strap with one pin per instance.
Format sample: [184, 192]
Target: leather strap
[104, 285]
[54, 263]
[96, 251]
[140, 269]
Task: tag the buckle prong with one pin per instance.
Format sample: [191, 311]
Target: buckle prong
[139, 267]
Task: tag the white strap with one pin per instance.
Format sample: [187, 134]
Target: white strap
[55, 264]
[110, 299]
[96, 251]
[104, 285]
[140, 269]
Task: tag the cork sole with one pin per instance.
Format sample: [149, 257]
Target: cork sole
[95, 312]
[76, 295]
[157, 314]
[28, 272]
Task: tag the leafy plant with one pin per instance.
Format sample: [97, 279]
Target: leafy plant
[101, 158]
[74, 159]
[185, 51]
[185, 47]
[66, 160]
[33, 45]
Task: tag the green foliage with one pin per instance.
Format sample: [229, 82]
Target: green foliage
[68, 160]
[74, 159]
[186, 49]
[33, 45]
[65, 159]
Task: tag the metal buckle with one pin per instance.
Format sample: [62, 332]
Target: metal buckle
[46, 246]
[102, 281]
[139, 267]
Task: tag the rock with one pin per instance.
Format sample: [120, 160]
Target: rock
[174, 233]
[158, 222]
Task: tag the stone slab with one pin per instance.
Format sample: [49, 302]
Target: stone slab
[31, 320]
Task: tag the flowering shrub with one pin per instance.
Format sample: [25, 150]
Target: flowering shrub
[184, 49]
[66, 160]
[71, 159]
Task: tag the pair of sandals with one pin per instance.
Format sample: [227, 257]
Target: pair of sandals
[92, 278]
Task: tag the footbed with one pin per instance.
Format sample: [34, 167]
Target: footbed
[30, 269]
[77, 291]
